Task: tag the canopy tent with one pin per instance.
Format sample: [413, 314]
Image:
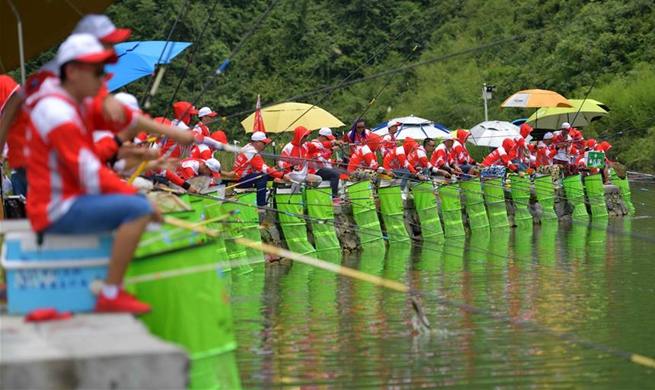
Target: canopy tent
[413, 126]
[44, 24]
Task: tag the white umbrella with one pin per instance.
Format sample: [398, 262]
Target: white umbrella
[492, 133]
[415, 127]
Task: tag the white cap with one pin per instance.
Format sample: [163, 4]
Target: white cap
[260, 136]
[565, 125]
[84, 48]
[548, 135]
[206, 111]
[448, 137]
[128, 100]
[326, 132]
[393, 122]
[214, 165]
[101, 27]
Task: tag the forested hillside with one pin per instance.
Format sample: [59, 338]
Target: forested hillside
[601, 48]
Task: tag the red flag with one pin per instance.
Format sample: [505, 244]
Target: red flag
[258, 125]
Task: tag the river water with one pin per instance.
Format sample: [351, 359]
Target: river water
[299, 327]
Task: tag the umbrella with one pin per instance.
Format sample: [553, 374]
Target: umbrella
[286, 116]
[44, 23]
[415, 127]
[536, 98]
[492, 133]
[583, 112]
[138, 59]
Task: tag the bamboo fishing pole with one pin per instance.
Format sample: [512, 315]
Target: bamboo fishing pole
[327, 266]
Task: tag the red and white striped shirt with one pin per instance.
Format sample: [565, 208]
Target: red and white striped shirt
[62, 162]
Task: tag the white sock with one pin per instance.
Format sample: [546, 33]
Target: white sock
[110, 291]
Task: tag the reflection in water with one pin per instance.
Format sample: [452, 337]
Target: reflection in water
[303, 327]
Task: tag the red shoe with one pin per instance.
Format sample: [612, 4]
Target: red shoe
[124, 303]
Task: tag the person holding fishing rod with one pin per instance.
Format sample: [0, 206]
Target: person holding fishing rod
[251, 170]
[295, 156]
[323, 164]
[74, 193]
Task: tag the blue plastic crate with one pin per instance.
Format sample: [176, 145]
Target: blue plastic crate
[58, 273]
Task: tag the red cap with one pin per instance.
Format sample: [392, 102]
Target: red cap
[219, 136]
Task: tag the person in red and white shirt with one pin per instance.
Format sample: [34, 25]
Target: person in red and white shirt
[389, 139]
[395, 161]
[443, 157]
[70, 190]
[252, 171]
[500, 157]
[297, 155]
[357, 134]
[461, 154]
[322, 165]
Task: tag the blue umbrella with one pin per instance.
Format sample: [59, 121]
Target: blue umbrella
[138, 59]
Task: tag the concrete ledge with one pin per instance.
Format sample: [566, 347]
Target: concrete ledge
[89, 351]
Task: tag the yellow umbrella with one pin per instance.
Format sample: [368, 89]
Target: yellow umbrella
[286, 116]
[536, 98]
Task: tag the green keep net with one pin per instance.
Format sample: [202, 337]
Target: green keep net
[451, 209]
[477, 213]
[243, 223]
[364, 211]
[596, 195]
[575, 195]
[426, 207]
[192, 310]
[321, 211]
[393, 214]
[293, 226]
[543, 186]
[521, 198]
[626, 194]
[213, 209]
[494, 195]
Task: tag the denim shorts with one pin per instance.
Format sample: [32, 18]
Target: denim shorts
[92, 214]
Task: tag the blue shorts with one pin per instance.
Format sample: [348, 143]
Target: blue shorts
[92, 214]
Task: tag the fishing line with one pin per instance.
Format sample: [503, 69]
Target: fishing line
[194, 48]
[341, 83]
[146, 97]
[236, 50]
[633, 357]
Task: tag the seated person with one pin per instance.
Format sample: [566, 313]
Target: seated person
[71, 191]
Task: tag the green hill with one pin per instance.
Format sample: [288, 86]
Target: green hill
[603, 49]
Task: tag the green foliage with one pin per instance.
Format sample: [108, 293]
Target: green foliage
[567, 46]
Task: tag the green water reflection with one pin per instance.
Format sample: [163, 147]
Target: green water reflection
[307, 328]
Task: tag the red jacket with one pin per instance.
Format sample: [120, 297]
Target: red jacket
[500, 156]
[442, 156]
[362, 157]
[62, 163]
[298, 156]
[249, 161]
[395, 158]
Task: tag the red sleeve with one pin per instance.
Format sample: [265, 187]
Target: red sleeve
[106, 148]
[283, 162]
[83, 164]
[386, 161]
[100, 123]
[403, 163]
[174, 178]
[258, 163]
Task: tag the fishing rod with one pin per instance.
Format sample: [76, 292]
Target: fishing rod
[235, 51]
[345, 271]
[145, 100]
[322, 264]
[191, 57]
[632, 357]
